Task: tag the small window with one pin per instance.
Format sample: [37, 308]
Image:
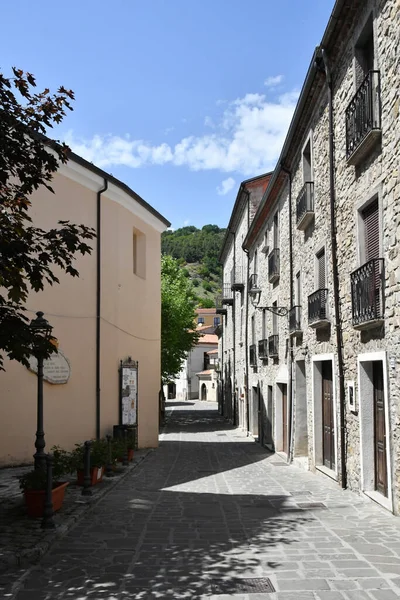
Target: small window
[307, 165]
[321, 275]
[276, 231]
[216, 321]
[253, 330]
[200, 320]
[264, 324]
[139, 253]
[275, 320]
[297, 290]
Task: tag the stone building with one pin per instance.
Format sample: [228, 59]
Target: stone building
[322, 296]
[233, 304]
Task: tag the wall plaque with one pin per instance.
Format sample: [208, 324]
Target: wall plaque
[56, 368]
[128, 392]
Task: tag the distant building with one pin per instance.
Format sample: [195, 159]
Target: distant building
[208, 316]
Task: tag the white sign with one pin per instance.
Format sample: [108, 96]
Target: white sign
[129, 395]
[56, 368]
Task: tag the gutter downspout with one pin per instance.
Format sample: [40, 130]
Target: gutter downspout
[335, 274]
[291, 304]
[234, 335]
[246, 388]
[98, 305]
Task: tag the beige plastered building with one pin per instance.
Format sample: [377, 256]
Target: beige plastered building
[111, 312]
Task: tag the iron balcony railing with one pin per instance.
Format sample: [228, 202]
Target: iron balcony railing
[237, 279]
[295, 319]
[367, 293]
[220, 308]
[317, 306]
[263, 348]
[227, 294]
[273, 346]
[363, 115]
[253, 355]
[305, 205]
[273, 265]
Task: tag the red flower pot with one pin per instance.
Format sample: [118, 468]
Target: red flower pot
[96, 475]
[34, 499]
[130, 455]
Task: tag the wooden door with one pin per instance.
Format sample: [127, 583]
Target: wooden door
[284, 419]
[381, 482]
[328, 431]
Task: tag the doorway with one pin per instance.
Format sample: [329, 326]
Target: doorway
[203, 391]
[381, 479]
[328, 426]
[171, 391]
[254, 411]
[282, 418]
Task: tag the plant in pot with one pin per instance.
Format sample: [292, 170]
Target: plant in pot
[98, 460]
[33, 484]
[118, 446]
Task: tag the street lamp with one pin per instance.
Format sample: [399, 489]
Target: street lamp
[42, 331]
[255, 296]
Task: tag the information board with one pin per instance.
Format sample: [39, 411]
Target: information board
[129, 392]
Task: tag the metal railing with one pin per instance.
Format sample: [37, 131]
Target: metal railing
[273, 345]
[263, 348]
[317, 306]
[367, 292]
[227, 294]
[295, 319]
[273, 265]
[363, 114]
[253, 355]
[305, 204]
[237, 278]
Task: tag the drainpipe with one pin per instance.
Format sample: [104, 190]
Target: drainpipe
[291, 304]
[335, 274]
[98, 305]
[246, 387]
[234, 335]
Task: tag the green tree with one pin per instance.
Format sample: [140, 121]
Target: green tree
[29, 255]
[178, 326]
[206, 303]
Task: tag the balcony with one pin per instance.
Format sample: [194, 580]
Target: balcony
[367, 294]
[317, 309]
[227, 294]
[237, 279]
[363, 119]
[273, 265]
[220, 308]
[305, 206]
[253, 284]
[295, 321]
[273, 346]
[263, 349]
[253, 355]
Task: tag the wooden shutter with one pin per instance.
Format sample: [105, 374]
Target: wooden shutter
[321, 269]
[371, 231]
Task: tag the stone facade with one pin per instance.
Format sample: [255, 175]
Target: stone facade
[305, 398]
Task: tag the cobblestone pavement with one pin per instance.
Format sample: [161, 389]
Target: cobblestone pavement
[211, 511]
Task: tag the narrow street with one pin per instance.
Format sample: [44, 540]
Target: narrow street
[210, 514]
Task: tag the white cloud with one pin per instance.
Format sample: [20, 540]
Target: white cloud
[272, 82]
[186, 222]
[226, 186]
[248, 139]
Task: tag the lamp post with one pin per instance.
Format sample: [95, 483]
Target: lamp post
[42, 330]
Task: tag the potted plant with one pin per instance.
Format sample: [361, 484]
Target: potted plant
[118, 449]
[33, 485]
[98, 460]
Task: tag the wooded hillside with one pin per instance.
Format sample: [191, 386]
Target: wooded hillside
[197, 251]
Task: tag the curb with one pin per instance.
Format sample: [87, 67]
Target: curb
[32, 555]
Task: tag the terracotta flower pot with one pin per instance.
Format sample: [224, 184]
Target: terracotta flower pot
[34, 499]
[130, 455]
[96, 475]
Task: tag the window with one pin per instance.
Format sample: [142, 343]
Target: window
[253, 330]
[297, 290]
[307, 164]
[255, 262]
[264, 324]
[274, 320]
[364, 53]
[200, 320]
[370, 225]
[216, 321]
[276, 231]
[321, 275]
[139, 253]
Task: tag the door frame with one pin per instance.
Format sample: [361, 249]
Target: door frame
[316, 361]
[366, 409]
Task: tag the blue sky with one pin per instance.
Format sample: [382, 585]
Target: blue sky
[180, 99]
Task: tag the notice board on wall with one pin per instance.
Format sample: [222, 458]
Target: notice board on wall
[128, 392]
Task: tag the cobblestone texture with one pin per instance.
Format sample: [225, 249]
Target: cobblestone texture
[210, 504]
